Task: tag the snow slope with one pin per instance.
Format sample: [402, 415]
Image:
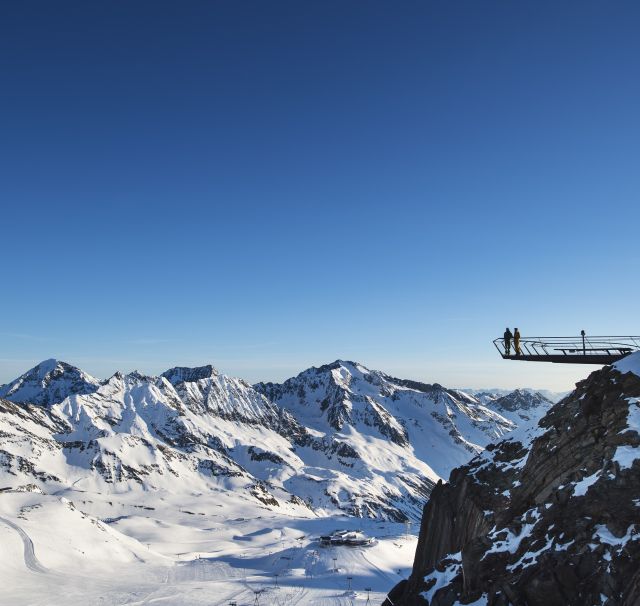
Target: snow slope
[203, 551]
[630, 363]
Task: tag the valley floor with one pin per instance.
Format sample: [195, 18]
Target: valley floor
[79, 548]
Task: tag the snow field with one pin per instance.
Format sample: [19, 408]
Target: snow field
[216, 549]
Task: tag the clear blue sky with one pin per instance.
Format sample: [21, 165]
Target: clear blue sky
[267, 185]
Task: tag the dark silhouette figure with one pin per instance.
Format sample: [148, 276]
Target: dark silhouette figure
[516, 341]
[507, 342]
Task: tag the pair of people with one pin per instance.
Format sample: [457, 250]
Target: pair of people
[508, 337]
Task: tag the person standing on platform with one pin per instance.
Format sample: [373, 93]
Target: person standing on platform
[516, 341]
[507, 342]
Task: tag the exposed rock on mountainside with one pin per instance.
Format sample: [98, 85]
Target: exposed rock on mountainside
[441, 426]
[548, 517]
[204, 390]
[522, 406]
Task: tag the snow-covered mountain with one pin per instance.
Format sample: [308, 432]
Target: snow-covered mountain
[486, 396]
[435, 424]
[521, 406]
[335, 438]
[49, 382]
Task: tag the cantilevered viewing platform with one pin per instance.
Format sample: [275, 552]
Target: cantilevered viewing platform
[570, 350]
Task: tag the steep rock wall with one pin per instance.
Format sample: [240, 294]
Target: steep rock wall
[550, 516]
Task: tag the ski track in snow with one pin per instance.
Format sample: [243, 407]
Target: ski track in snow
[136, 548]
[30, 559]
[135, 560]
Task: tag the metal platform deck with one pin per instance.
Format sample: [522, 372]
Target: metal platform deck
[571, 350]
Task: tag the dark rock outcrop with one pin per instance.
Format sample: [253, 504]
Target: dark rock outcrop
[550, 516]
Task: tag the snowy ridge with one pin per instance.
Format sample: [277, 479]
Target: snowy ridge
[486, 396]
[521, 406]
[204, 390]
[335, 438]
[440, 426]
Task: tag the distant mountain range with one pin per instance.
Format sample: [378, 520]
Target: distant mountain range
[339, 437]
[487, 395]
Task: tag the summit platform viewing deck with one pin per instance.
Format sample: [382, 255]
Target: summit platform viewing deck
[582, 349]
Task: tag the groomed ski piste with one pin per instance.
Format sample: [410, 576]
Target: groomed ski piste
[213, 551]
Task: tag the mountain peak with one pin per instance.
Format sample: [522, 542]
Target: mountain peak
[51, 366]
[47, 366]
[347, 398]
[333, 365]
[49, 382]
[521, 399]
[185, 374]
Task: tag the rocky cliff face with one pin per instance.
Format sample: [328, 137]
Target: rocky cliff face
[550, 516]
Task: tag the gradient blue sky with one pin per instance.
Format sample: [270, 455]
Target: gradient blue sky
[267, 186]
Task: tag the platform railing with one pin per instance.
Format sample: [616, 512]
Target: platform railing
[572, 346]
